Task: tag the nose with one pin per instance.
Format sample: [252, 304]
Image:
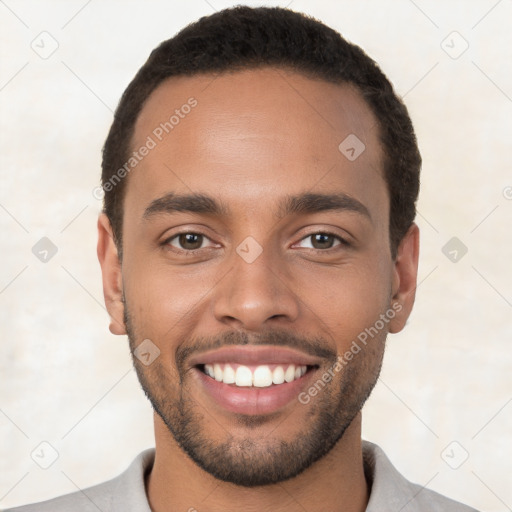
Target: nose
[253, 294]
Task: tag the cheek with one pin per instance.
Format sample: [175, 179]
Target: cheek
[164, 301]
[344, 301]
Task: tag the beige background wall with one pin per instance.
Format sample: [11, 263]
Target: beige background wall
[67, 381]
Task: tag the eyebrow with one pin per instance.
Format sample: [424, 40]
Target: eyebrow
[297, 204]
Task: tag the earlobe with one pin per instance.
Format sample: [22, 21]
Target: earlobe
[111, 275]
[405, 275]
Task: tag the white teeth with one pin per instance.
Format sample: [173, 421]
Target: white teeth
[243, 376]
[217, 372]
[262, 377]
[208, 368]
[289, 375]
[278, 375]
[229, 375]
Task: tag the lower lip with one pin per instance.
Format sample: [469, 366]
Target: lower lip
[253, 400]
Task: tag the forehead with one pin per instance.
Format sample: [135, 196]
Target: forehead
[253, 136]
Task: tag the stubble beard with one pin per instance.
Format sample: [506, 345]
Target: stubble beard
[257, 460]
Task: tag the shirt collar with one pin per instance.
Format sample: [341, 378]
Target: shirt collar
[129, 494]
[389, 489]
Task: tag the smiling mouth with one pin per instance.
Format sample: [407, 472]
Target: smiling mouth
[256, 376]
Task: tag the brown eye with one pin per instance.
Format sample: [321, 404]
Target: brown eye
[323, 241]
[186, 241]
[190, 240]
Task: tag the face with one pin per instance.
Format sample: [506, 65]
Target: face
[255, 258]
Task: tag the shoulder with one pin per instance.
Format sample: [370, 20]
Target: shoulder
[91, 499]
[431, 500]
[119, 493]
[392, 491]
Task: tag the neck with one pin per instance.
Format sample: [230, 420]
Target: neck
[336, 482]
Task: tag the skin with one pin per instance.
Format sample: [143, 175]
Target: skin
[255, 137]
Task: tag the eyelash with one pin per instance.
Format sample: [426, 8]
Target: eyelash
[166, 242]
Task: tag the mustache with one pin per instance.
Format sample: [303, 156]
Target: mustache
[314, 346]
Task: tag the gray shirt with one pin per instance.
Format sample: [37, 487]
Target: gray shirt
[390, 491]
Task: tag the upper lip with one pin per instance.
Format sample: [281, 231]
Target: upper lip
[255, 355]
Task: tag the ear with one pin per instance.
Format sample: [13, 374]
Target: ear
[405, 275]
[112, 276]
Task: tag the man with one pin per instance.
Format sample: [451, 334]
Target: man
[281, 154]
